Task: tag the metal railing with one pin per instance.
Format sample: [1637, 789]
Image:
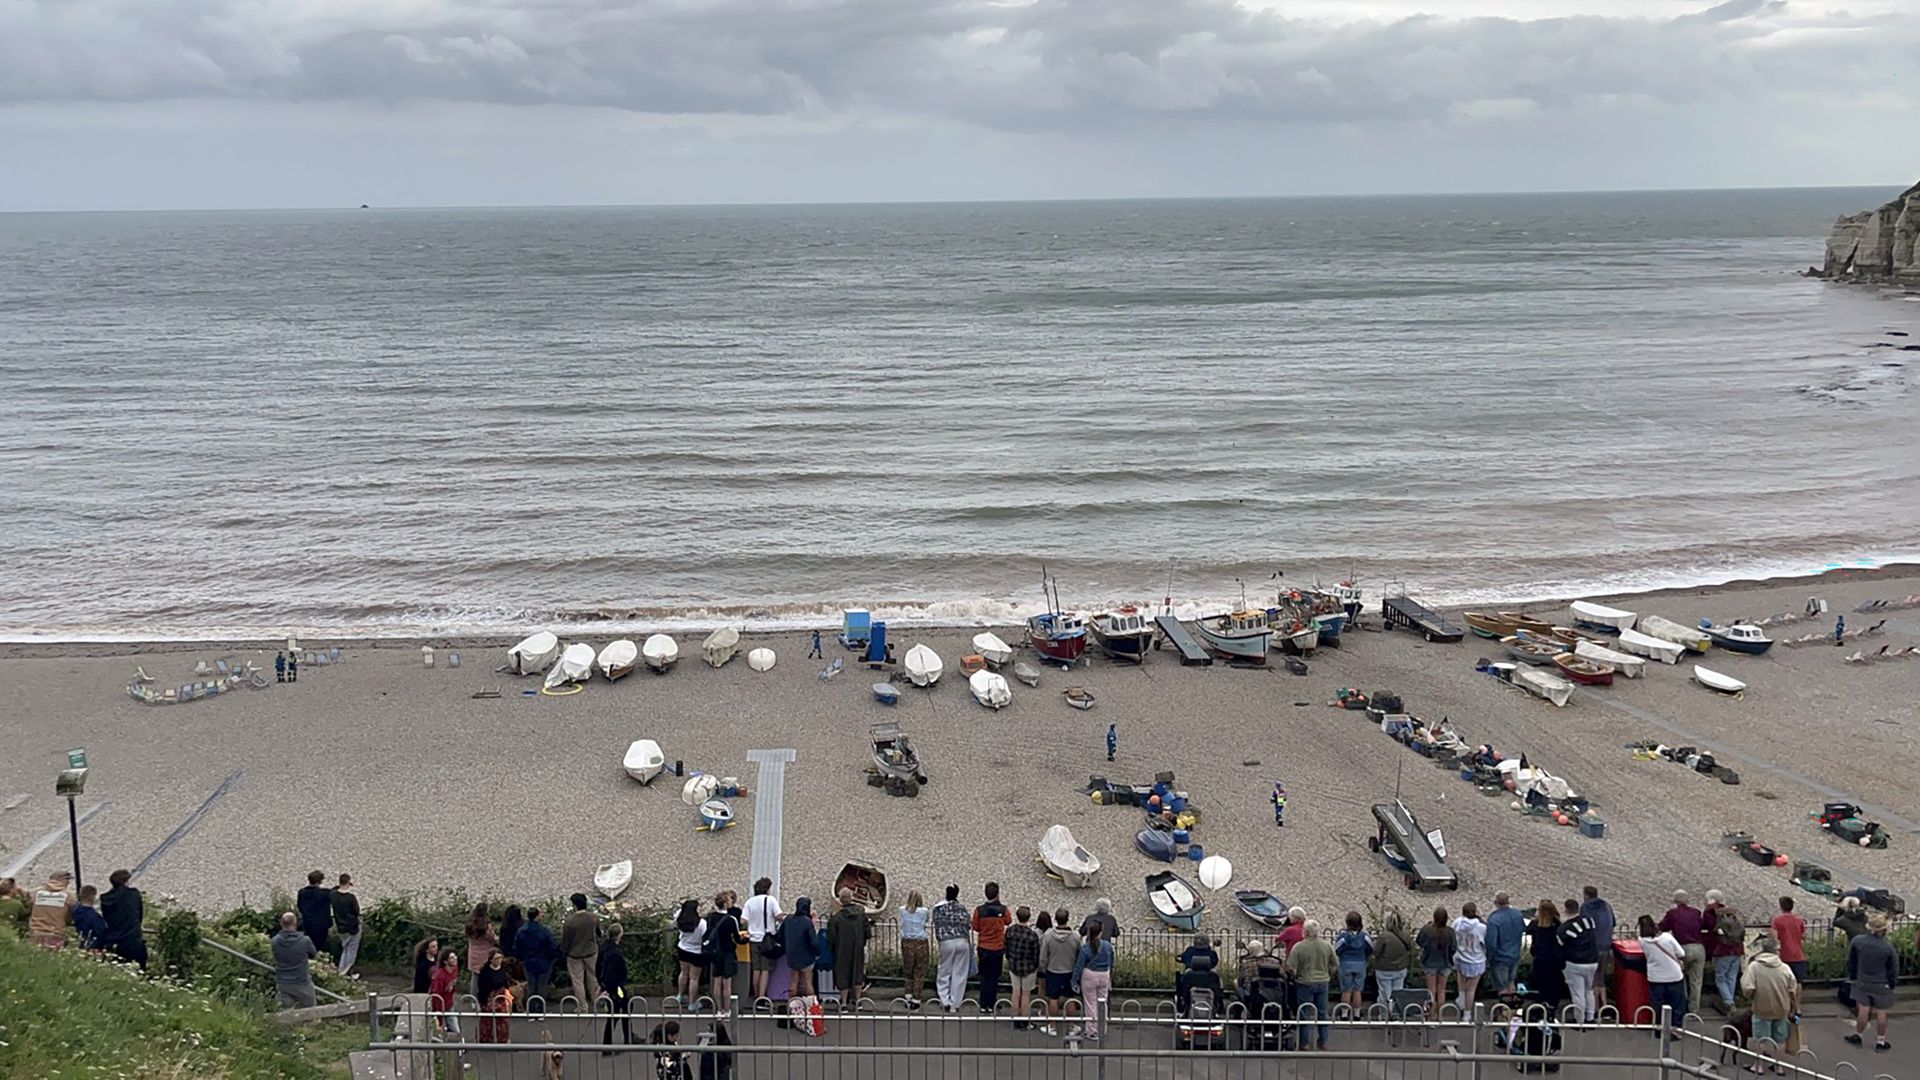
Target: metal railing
[236, 954]
[1137, 1041]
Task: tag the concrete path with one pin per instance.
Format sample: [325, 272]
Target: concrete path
[769, 798]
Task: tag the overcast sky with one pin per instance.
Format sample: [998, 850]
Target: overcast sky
[245, 103]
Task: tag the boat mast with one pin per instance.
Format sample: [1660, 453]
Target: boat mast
[1166, 603]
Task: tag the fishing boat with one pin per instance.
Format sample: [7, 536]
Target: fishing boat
[991, 649]
[1740, 637]
[1529, 650]
[1299, 638]
[1690, 638]
[612, 879]
[1060, 636]
[886, 693]
[1079, 697]
[1633, 667]
[1175, 901]
[923, 666]
[1586, 672]
[715, 815]
[1027, 673]
[720, 646]
[1713, 680]
[534, 655]
[644, 761]
[1241, 636]
[618, 660]
[990, 690]
[661, 653]
[1156, 844]
[761, 659]
[1261, 906]
[1600, 617]
[1065, 859]
[1640, 644]
[574, 666]
[868, 883]
[894, 757]
[1123, 634]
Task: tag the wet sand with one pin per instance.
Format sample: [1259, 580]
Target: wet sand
[398, 775]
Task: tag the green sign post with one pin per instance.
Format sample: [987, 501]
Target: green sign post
[77, 759]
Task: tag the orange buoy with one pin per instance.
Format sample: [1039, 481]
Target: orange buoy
[1779, 860]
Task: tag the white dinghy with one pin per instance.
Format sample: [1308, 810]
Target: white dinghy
[1544, 684]
[1713, 680]
[1065, 859]
[923, 666]
[618, 659]
[662, 652]
[1667, 652]
[990, 690]
[613, 878]
[760, 659]
[644, 761]
[1601, 616]
[1633, 667]
[574, 666]
[534, 655]
[992, 649]
[720, 646]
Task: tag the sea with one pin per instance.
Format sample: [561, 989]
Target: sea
[390, 422]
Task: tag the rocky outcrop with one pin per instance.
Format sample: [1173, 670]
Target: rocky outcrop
[1876, 246]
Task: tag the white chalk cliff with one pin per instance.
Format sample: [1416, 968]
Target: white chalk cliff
[1876, 245]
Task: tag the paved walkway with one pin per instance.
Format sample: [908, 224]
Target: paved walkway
[769, 799]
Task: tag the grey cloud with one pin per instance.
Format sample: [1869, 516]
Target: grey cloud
[1043, 65]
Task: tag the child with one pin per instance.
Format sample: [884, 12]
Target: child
[1113, 740]
[1279, 804]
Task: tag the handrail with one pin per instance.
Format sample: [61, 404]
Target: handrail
[238, 955]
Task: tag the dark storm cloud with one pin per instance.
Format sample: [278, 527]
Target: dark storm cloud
[1023, 66]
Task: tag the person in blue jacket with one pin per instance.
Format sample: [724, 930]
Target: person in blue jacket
[1113, 740]
[1506, 929]
[799, 941]
[88, 923]
[534, 946]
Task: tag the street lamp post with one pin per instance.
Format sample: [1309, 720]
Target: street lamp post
[71, 785]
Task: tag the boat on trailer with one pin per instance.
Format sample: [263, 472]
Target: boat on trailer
[1123, 634]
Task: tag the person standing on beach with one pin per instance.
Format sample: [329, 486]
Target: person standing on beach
[293, 952]
[815, 653]
[915, 947]
[1506, 929]
[1790, 931]
[952, 931]
[279, 667]
[1023, 962]
[1840, 630]
[1726, 939]
[293, 667]
[1870, 966]
[1601, 912]
[346, 920]
[1113, 740]
[1279, 804]
[990, 922]
[580, 944]
[763, 918]
[537, 951]
[1685, 922]
[315, 907]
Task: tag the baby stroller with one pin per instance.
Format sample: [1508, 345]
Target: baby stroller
[1199, 1022]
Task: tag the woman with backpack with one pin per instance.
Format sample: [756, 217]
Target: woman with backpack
[1393, 950]
[722, 948]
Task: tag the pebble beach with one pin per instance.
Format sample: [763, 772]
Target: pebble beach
[399, 775]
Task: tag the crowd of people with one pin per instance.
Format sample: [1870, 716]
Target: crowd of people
[110, 923]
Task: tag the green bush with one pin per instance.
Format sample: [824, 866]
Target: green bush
[173, 940]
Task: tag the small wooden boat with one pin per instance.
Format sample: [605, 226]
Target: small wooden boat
[1241, 636]
[1713, 680]
[1741, 638]
[990, 690]
[661, 653]
[574, 666]
[886, 693]
[1523, 621]
[760, 659]
[534, 655]
[1587, 672]
[1123, 634]
[1600, 617]
[1530, 650]
[720, 646]
[715, 814]
[923, 666]
[1261, 906]
[612, 879]
[1573, 635]
[1175, 901]
[1079, 697]
[1027, 673]
[1487, 625]
[992, 649]
[1065, 859]
[1690, 638]
[1633, 667]
[869, 885]
[618, 660]
[1633, 641]
[1156, 844]
[644, 761]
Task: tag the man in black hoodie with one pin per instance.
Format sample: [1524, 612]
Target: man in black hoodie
[124, 910]
[315, 905]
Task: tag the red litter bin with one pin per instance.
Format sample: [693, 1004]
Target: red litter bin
[1630, 992]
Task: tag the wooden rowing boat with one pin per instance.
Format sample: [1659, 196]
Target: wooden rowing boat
[1529, 650]
[1588, 672]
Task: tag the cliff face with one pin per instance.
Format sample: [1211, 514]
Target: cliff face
[1877, 245]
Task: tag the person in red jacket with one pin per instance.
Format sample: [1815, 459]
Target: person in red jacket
[443, 987]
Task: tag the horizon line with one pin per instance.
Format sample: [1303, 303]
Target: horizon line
[802, 203]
